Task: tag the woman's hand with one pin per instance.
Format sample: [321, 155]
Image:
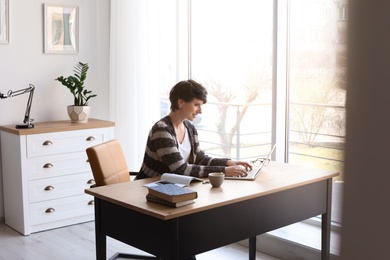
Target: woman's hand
[246, 165]
[237, 168]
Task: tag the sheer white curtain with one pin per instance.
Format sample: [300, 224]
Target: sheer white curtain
[134, 93]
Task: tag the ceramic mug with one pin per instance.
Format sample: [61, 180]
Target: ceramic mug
[216, 179]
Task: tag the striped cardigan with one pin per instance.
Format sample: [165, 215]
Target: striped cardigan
[162, 154]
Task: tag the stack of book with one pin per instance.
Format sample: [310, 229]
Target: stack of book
[171, 194]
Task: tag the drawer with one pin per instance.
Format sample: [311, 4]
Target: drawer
[61, 209]
[59, 187]
[64, 142]
[57, 165]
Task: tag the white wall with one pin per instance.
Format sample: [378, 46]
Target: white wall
[22, 61]
[366, 212]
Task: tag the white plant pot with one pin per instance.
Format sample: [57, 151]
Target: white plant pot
[79, 114]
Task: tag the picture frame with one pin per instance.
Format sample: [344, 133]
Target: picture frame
[61, 29]
[4, 21]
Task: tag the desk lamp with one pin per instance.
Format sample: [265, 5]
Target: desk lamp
[27, 120]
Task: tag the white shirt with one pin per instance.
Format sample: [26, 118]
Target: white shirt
[185, 147]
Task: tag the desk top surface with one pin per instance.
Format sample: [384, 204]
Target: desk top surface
[273, 178]
[57, 126]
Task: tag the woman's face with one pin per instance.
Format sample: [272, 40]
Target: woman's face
[190, 109]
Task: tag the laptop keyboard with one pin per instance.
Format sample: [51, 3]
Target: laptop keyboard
[252, 172]
[249, 174]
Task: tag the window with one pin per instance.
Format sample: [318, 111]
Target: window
[231, 54]
[316, 85]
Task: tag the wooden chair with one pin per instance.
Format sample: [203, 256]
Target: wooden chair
[109, 166]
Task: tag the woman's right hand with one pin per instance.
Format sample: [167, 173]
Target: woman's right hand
[235, 171]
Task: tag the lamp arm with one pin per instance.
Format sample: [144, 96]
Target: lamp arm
[20, 91]
[30, 90]
[27, 119]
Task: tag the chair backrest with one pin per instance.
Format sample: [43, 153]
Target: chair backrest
[108, 163]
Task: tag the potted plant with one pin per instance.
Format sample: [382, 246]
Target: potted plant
[79, 111]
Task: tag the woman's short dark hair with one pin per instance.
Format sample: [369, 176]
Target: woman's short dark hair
[187, 90]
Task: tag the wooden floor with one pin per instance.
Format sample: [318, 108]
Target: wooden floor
[77, 242]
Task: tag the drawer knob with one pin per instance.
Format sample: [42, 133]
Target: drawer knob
[91, 181]
[91, 202]
[48, 165]
[49, 187]
[50, 210]
[47, 143]
[91, 138]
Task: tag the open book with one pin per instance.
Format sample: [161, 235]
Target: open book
[179, 180]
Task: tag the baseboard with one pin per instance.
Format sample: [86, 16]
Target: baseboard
[285, 249]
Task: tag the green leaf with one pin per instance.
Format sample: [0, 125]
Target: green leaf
[76, 84]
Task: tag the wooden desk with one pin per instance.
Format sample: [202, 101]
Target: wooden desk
[283, 194]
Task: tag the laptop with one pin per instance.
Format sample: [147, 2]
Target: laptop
[252, 174]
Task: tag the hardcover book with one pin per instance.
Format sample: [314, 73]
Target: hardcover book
[152, 198]
[171, 192]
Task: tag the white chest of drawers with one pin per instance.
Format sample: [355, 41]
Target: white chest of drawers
[45, 171]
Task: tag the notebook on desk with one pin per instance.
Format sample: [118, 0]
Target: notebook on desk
[252, 174]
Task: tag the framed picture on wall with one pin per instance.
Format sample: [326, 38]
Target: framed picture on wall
[4, 22]
[61, 29]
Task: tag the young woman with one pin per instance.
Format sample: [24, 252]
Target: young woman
[173, 144]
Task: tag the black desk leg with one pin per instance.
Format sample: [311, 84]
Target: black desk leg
[100, 239]
[325, 225]
[252, 248]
